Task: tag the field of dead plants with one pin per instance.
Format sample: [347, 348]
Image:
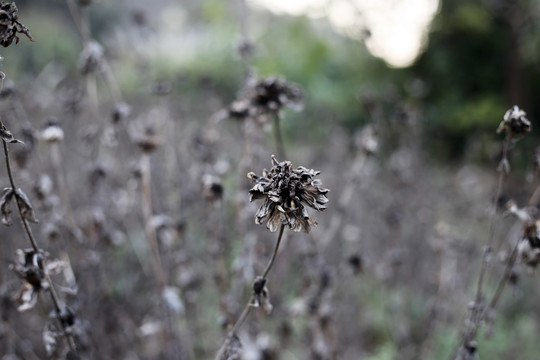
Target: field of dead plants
[214, 181]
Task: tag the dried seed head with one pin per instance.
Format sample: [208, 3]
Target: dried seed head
[52, 131]
[10, 26]
[286, 193]
[515, 123]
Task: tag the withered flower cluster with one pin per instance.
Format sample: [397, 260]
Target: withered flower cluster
[10, 26]
[265, 96]
[286, 193]
[515, 123]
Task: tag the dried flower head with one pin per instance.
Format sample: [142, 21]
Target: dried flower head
[261, 97]
[286, 193]
[515, 123]
[10, 26]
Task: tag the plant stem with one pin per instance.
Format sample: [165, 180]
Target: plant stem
[484, 266]
[248, 307]
[32, 240]
[279, 139]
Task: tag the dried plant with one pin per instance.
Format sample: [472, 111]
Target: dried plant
[287, 193]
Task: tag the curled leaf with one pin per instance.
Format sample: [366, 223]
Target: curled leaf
[5, 205]
[7, 136]
[27, 210]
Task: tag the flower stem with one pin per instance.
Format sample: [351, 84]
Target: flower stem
[278, 136]
[248, 307]
[35, 247]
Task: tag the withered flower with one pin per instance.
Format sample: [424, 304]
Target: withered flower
[515, 123]
[286, 193]
[261, 97]
[10, 26]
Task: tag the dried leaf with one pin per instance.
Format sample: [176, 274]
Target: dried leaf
[7, 136]
[5, 205]
[27, 210]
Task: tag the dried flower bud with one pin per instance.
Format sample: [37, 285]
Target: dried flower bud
[515, 123]
[10, 26]
[286, 193]
[261, 295]
[245, 49]
[52, 131]
[212, 189]
[239, 109]
[149, 141]
[91, 58]
[367, 141]
[120, 111]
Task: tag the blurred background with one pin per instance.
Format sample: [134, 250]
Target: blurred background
[401, 102]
